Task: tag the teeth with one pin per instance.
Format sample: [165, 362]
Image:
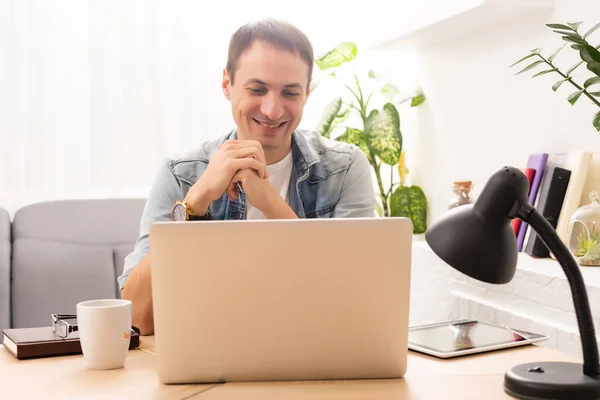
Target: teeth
[269, 126]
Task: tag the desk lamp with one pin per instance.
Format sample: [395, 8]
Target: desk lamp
[478, 240]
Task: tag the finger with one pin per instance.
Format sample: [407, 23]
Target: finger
[241, 144]
[231, 192]
[246, 163]
[247, 152]
[232, 188]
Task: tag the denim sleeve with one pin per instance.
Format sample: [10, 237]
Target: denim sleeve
[166, 190]
[357, 198]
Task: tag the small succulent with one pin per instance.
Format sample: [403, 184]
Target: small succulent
[589, 248]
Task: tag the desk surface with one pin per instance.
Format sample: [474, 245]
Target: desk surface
[476, 376]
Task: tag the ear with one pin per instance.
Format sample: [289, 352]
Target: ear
[226, 84]
[307, 94]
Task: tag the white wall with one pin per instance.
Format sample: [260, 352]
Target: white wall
[94, 95]
[479, 116]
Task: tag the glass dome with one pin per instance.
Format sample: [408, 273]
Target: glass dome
[584, 233]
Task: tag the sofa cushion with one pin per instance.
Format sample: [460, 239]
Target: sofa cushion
[5, 254]
[52, 277]
[104, 221]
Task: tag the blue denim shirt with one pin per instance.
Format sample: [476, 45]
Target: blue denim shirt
[330, 179]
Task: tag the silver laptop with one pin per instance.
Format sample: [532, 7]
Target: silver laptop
[268, 300]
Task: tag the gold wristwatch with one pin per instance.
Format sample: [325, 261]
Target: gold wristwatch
[181, 212]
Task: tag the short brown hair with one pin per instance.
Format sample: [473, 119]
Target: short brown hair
[280, 34]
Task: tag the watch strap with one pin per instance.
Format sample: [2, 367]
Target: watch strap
[204, 217]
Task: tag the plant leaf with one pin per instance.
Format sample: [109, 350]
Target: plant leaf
[593, 53]
[553, 56]
[574, 25]
[563, 32]
[332, 117]
[591, 81]
[378, 209]
[402, 169]
[314, 83]
[592, 29]
[544, 72]
[597, 121]
[530, 66]
[372, 74]
[382, 131]
[559, 26]
[573, 97]
[525, 58]
[574, 39]
[357, 137]
[595, 94]
[343, 52]
[576, 47]
[410, 202]
[594, 66]
[573, 68]
[390, 91]
[557, 84]
[417, 100]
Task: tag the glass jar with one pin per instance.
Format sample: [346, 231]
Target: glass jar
[584, 233]
[461, 189]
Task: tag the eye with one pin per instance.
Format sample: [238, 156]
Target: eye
[291, 94]
[256, 91]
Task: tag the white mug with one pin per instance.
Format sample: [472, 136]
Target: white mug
[104, 332]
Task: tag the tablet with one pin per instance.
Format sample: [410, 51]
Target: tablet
[462, 337]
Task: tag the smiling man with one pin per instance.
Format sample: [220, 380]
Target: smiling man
[265, 167]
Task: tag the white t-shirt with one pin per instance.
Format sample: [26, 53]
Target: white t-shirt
[279, 176]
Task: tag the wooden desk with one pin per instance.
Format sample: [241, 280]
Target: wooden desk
[472, 377]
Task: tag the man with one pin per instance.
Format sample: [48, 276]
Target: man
[263, 169]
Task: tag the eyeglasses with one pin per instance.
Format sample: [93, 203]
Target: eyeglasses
[61, 327]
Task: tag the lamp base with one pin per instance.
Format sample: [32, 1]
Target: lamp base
[550, 380]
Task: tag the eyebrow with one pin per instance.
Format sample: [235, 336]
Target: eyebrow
[258, 81]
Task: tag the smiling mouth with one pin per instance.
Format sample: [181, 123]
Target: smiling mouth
[270, 126]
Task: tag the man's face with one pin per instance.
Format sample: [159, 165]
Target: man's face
[268, 96]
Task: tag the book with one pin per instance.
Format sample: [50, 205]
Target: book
[578, 163]
[529, 173]
[24, 343]
[552, 194]
[592, 182]
[538, 162]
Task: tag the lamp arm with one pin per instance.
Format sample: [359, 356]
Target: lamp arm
[581, 303]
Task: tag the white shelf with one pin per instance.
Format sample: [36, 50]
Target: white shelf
[537, 299]
[544, 267]
[451, 20]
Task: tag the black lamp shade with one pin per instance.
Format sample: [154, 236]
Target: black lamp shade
[478, 239]
[476, 247]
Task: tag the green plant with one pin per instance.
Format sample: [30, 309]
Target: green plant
[588, 54]
[379, 137]
[589, 247]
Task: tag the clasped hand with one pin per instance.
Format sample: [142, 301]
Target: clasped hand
[235, 161]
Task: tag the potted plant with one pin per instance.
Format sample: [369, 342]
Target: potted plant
[590, 56]
[378, 135]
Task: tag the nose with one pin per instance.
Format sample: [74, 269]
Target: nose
[272, 107]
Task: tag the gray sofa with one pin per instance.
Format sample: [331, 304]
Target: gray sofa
[56, 254]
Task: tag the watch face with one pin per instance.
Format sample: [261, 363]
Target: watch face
[178, 213]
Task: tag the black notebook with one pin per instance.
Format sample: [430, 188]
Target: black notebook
[551, 198]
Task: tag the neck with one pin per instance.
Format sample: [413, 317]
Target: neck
[275, 155]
